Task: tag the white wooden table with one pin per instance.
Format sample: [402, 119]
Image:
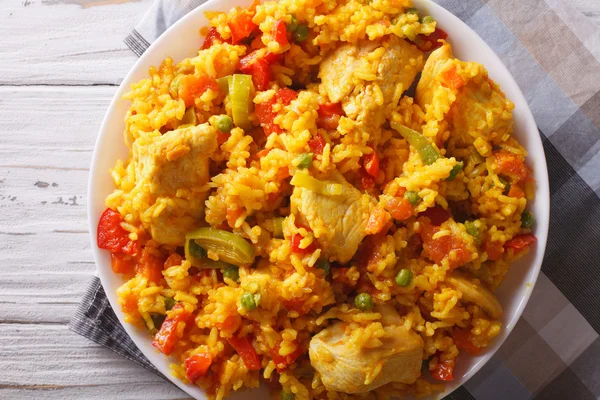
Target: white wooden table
[61, 62]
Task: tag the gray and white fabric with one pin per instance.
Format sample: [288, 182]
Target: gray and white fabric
[553, 52]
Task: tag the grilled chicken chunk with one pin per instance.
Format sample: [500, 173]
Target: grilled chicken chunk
[176, 160]
[345, 367]
[339, 222]
[475, 292]
[364, 100]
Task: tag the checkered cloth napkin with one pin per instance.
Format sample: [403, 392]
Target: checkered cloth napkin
[553, 52]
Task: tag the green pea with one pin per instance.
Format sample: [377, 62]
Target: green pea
[247, 301]
[428, 19]
[305, 160]
[324, 265]
[224, 123]
[412, 10]
[412, 197]
[455, 171]
[169, 303]
[293, 25]
[527, 219]
[287, 396]
[363, 301]
[301, 33]
[506, 185]
[472, 229]
[157, 319]
[232, 273]
[404, 277]
[278, 228]
[196, 250]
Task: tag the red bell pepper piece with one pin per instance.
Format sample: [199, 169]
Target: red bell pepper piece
[166, 337]
[243, 347]
[197, 365]
[520, 242]
[112, 236]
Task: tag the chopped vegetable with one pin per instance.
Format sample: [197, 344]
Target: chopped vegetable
[157, 319]
[462, 340]
[247, 353]
[232, 273]
[193, 86]
[295, 245]
[239, 91]
[112, 237]
[224, 123]
[265, 113]
[224, 83]
[412, 197]
[280, 32]
[169, 303]
[455, 171]
[287, 396]
[431, 41]
[282, 362]
[278, 227]
[412, 10]
[247, 301]
[122, 263]
[506, 184]
[212, 37]
[427, 152]
[242, 26]
[166, 337]
[516, 191]
[317, 144]
[363, 301]
[404, 277]
[472, 229]
[437, 215]
[196, 250]
[324, 265]
[443, 371]
[301, 33]
[150, 265]
[493, 248]
[377, 221]
[197, 365]
[371, 164]
[452, 78]
[520, 242]
[305, 160]
[293, 25]
[230, 248]
[399, 208]
[428, 19]
[329, 115]
[439, 248]
[512, 164]
[527, 219]
[304, 180]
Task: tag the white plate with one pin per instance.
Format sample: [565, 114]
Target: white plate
[182, 40]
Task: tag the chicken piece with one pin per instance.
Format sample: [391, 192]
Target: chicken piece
[176, 160]
[338, 222]
[435, 64]
[368, 102]
[474, 292]
[351, 369]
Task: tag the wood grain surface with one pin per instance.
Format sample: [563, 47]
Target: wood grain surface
[62, 61]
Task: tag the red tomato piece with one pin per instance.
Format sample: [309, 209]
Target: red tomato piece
[440, 248]
[493, 249]
[462, 340]
[166, 337]
[212, 37]
[400, 208]
[197, 366]
[243, 347]
[112, 236]
[329, 116]
[452, 78]
[516, 191]
[520, 242]
[295, 243]
[192, 86]
[317, 144]
[174, 259]
[377, 221]
[265, 112]
[233, 215]
[430, 42]
[231, 323]
[122, 263]
[242, 26]
[366, 181]
[512, 164]
[444, 371]
[437, 215]
[286, 95]
[295, 305]
[280, 32]
[371, 164]
[282, 362]
[150, 266]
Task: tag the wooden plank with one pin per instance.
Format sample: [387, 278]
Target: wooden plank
[61, 42]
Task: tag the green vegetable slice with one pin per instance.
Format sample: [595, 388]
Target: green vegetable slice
[224, 83]
[278, 228]
[231, 248]
[412, 197]
[305, 160]
[304, 180]
[239, 92]
[455, 171]
[247, 301]
[527, 219]
[427, 152]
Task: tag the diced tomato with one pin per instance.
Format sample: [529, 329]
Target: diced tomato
[130, 303]
[174, 259]
[377, 221]
[222, 137]
[366, 180]
[371, 164]
[493, 249]
[512, 164]
[462, 340]
[444, 371]
[212, 37]
[112, 236]
[286, 95]
[440, 248]
[295, 305]
[122, 263]
[247, 61]
[452, 78]
[430, 42]
[242, 26]
[197, 366]
[233, 215]
[317, 144]
[520, 242]
[166, 337]
[265, 112]
[243, 347]
[400, 208]
[283, 173]
[260, 71]
[330, 109]
[437, 215]
[262, 153]
[516, 191]
[295, 243]
[192, 86]
[280, 32]
[231, 323]
[150, 266]
[329, 116]
[281, 362]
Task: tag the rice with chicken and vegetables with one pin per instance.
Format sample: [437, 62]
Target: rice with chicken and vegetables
[297, 210]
